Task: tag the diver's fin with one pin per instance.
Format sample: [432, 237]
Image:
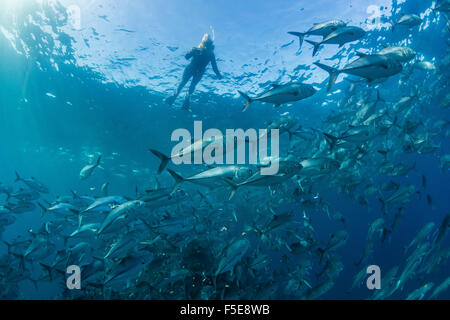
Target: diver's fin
[300, 36]
[164, 160]
[334, 73]
[247, 98]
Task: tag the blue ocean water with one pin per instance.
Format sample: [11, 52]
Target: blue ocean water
[79, 79]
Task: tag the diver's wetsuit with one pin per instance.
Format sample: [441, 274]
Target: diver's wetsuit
[201, 57]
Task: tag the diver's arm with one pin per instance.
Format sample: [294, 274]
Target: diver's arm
[214, 66]
[190, 54]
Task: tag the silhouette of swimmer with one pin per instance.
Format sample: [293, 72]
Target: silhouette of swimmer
[200, 57]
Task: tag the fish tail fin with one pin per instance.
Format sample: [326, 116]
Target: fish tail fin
[386, 234]
[98, 160]
[65, 239]
[321, 252]
[395, 122]
[247, 98]
[290, 136]
[75, 211]
[415, 92]
[392, 24]
[35, 283]
[21, 258]
[384, 153]
[47, 268]
[233, 186]
[316, 46]
[18, 178]
[164, 160]
[8, 245]
[60, 271]
[44, 209]
[300, 36]
[379, 97]
[331, 140]
[334, 73]
[74, 194]
[178, 179]
[146, 224]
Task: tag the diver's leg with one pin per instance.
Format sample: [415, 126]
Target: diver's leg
[187, 74]
[195, 80]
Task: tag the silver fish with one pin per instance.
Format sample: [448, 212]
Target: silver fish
[280, 94]
[370, 67]
[319, 29]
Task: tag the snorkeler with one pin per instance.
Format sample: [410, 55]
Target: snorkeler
[201, 56]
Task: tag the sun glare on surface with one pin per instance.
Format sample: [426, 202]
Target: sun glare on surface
[13, 5]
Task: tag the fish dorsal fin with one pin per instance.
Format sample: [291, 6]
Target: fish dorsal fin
[74, 194]
[361, 54]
